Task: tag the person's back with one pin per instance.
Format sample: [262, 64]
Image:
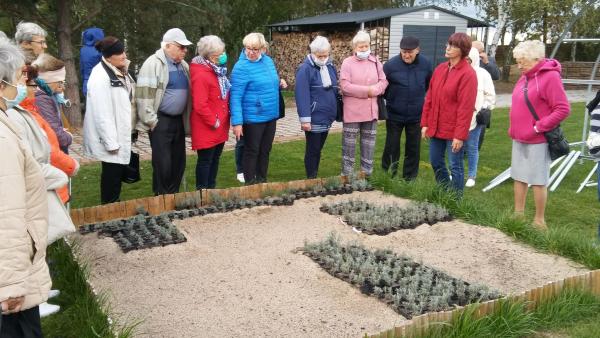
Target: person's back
[89, 55]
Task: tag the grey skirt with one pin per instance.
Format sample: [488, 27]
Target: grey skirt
[530, 163]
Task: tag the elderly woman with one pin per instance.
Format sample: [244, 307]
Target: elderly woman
[110, 116]
[50, 95]
[209, 119]
[316, 99]
[530, 163]
[31, 38]
[254, 105]
[362, 80]
[485, 100]
[24, 216]
[448, 110]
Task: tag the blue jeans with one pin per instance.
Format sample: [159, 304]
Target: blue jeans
[437, 156]
[472, 148]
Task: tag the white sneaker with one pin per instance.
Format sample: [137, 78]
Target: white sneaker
[240, 177]
[53, 293]
[48, 309]
[470, 183]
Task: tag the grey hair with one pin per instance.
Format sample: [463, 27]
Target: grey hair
[320, 45]
[3, 36]
[532, 50]
[208, 45]
[26, 31]
[361, 37]
[11, 59]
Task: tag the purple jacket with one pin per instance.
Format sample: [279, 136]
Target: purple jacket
[548, 97]
[48, 108]
[356, 76]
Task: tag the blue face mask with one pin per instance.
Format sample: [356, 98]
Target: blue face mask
[60, 98]
[21, 95]
[222, 59]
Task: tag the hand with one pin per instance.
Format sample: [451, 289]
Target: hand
[283, 84]
[238, 132]
[305, 126]
[370, 92]
[114, 152]
[12, 305]
[424, 133]
[217, 124]
[456, 145]
[484, 58]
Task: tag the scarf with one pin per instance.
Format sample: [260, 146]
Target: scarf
[220, 71]
[323, 71]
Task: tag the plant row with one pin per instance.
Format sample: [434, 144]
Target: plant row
[383, 219]
[410, 288]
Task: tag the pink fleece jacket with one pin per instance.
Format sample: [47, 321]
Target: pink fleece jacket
[548, 97]
[356, 76]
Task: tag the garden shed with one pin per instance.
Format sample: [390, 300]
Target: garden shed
[431, 24]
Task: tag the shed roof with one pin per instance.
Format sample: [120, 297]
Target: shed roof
[371, 15]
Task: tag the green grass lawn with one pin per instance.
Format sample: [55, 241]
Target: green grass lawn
[572, 218]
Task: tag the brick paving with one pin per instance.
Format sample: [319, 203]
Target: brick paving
[288, 129]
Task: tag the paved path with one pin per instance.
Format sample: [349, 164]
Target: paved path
[288, 129]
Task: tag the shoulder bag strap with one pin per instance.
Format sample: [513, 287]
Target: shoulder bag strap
[529, 105]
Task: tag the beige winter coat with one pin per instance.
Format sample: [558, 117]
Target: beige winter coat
[23, 221]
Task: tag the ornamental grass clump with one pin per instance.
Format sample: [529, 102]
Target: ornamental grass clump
[383, 219]
[408, 287]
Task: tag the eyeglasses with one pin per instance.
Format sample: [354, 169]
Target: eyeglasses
[253, 50]
[181, 47]
[451, 46]
[60, 83]
[41, 42]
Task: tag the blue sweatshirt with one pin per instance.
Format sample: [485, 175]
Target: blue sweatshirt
[316, 104]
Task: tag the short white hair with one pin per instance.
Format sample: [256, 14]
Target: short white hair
[27, 30]
[361, 37]
[320, 45]
[11, 59]
[209, 44]
[532, 50]
[255, 40]
[3, 36]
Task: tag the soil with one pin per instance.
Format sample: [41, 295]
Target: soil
[239, 273]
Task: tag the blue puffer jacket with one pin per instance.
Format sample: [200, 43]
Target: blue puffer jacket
[408, 84]
[89, 56]
[254, 91]
[316, 104]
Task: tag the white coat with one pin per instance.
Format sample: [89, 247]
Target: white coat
[108, 117]
[486, 93]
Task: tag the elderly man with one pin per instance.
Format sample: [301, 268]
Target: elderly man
[163, 105]
[408, 75]
[31, 38]
[487, 62]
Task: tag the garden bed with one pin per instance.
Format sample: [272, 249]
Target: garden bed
[240, 273]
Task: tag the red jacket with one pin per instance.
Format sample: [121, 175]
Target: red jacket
[207, 106]
[450, 101]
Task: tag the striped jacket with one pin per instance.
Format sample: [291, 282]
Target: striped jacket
[150, 87]
[593, 141]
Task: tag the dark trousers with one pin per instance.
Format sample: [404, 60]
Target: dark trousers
[168, 154]
[481, 135]
[412, 148]
[258, 140]
[312, 152]
[207, 167]
[110, 182]
[239, 155]
[24, 324]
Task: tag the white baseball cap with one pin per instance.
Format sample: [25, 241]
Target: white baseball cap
[176, 35]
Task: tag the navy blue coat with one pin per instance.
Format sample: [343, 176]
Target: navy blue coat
[89, 56]
[408, 84]
[316, 104]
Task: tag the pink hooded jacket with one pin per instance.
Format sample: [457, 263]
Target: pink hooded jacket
[548, 97]
[356, 76]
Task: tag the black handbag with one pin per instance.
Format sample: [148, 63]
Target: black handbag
[281, 106]
[557, 143]
[131, 174]
[381, 107]
[339, 116]
[484, 116]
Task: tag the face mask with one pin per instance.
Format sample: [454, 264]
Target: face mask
[363, 55]
[21, 95]
[60, 98]
[222, 59]
[321, 63]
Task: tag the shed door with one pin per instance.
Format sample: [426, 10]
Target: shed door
[433, 40]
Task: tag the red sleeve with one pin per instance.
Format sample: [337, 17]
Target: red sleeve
[467, 93]
[200, 94]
